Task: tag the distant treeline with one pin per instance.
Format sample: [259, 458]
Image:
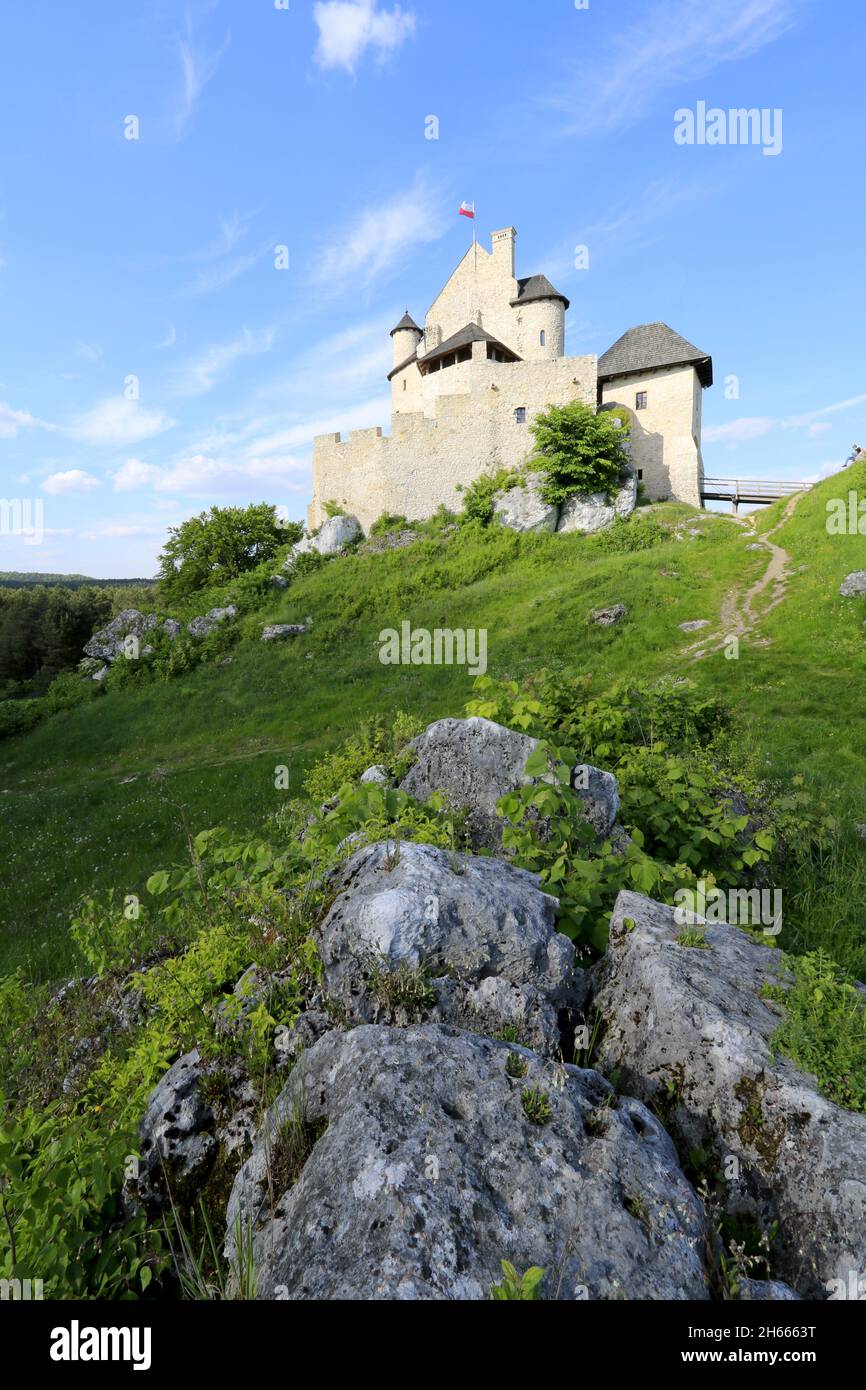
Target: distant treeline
[11, 579]
[43, 629]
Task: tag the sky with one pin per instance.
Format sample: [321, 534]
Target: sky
[212, 214]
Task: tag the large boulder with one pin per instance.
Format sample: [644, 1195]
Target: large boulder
[590, 512]
[523, 508]
[334, 536]
[474, 762]
[109, 642]
[417, 932]
[405, 1164]
[687, 1030]
[204, 625]
[852, 586]
[278, 632]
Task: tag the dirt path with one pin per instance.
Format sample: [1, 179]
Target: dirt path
[739, 615]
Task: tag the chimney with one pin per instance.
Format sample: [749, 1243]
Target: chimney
[503, 248]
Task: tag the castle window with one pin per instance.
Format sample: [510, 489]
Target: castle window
[404, 383]
[520, 415]
[640, 475]
[542, 338]
[640, 401]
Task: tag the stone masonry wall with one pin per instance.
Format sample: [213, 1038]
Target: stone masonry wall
[665, 435]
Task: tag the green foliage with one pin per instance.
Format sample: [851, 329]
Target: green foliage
[111, 933]
[536, 1106]
[64, 693]
[43, 630]
[578, 451]
[524, 1288]
[218, 545]
[375, 743]
[62, 1216]
[824, 1029]
[388, 521]
[479, 496]
[334, 509]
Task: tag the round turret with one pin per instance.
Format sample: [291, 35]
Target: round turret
[405, 336]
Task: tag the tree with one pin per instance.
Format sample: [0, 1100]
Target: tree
[221, 544]
[578, 451]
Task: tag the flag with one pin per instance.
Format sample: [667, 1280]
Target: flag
[467, 210]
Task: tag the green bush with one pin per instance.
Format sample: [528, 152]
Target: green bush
[388, 521]
[479, 496]
[824, 1029]
[220, 545]
[578, 451]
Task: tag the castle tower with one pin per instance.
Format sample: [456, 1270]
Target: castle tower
[540, 311]
[405, 337]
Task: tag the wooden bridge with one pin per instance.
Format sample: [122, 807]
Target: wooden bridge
[748, 490]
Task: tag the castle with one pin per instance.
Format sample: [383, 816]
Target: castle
[466, 387]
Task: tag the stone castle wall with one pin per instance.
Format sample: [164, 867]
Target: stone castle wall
[468, 431]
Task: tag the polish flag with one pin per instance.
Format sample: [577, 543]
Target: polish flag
[467, 210]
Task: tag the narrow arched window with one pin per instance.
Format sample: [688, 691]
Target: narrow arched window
[542, 338]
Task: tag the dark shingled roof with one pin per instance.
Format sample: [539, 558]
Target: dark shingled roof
[406, 322]
[649, 346]
[536, 287]
[470, 334]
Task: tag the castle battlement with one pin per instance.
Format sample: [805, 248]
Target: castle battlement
[466, 387]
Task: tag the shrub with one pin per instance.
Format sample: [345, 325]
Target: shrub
[218, 545]
[578, 451]
[478, 497]
[388, 521]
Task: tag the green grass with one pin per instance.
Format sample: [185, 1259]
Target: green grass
[208, 741]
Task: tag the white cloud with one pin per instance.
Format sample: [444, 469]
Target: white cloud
[73, 480]
[135, 474]
[347, 28]
[216, 278]
[383, 236]
[119, 421]
[666, 46]
[202, 374]
[11, 421]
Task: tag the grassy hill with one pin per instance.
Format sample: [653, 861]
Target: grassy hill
[96, 796]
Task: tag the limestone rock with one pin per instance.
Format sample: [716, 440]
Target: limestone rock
[765, 1291]
[852, 586]
[203, 626]
[590, 512]
[608, 617]
[695, 625]
[422, 1170]
[181, 1135]
[172, 628]
[524, 509]
[107, 643]
[277, 632]
[378, 774]
[336, 534]
[688, 1029]
[415, 931]
[475, 762]
[599, 792]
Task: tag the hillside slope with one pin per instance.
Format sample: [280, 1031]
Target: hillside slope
[93, 798]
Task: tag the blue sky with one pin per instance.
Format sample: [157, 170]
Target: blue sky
[154, 360]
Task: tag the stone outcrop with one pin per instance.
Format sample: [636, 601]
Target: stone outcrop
[417, 932]
[108, 643]
[205, 625]
[406, 1164]
[278, 632]
[688, 1030]
[608, 617]
[522, 508]
[335, 535]
[591, 512]
[853, 585]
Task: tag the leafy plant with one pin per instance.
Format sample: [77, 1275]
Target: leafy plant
[524, 1288]
[536, 1106]
[824, 1028]
[579, 451]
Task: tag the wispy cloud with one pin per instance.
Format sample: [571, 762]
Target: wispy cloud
[383, 236]
[665, 46]
[200, 475]
[203, 372]
[747, 428]
[118, 421]
[348, 28]
[73, 480]
[198, 67]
